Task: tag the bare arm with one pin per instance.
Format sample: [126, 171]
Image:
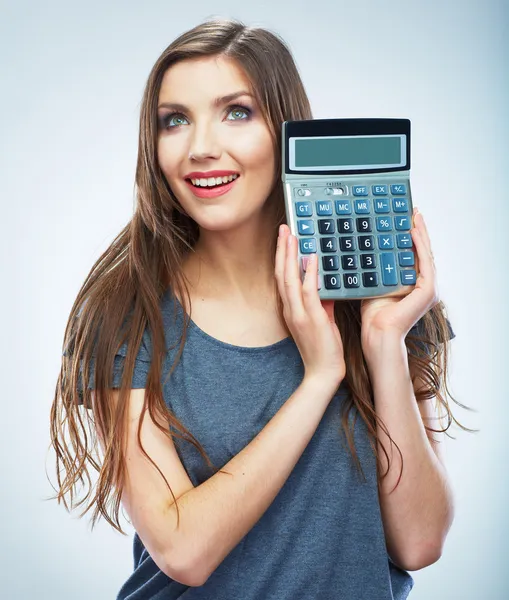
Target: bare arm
[217, 514]
[222, 510]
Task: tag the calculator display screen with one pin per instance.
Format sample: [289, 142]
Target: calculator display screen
[356, 152]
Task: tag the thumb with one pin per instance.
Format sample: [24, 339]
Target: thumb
[328, 306]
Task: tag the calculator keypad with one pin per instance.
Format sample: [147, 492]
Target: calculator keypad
[362, 238]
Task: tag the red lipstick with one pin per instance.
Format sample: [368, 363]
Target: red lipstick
[211, 192]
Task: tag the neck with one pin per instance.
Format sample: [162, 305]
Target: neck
[234, 265]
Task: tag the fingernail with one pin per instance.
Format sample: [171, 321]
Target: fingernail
[281, 229]
[416, 210]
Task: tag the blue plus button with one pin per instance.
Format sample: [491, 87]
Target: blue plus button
[389, 270]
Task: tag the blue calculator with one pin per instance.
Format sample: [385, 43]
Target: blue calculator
[347, 195]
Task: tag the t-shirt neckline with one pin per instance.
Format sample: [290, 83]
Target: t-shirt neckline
[246, 349]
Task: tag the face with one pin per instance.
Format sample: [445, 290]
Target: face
[214, 146]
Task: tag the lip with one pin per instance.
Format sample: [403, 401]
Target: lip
[203, 192]
[203, 175]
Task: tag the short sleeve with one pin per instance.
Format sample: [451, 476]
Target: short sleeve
[418, 331]
[140, 371]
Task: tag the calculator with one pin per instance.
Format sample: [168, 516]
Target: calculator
[347, 196]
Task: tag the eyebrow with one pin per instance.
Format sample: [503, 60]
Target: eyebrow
[216, 101]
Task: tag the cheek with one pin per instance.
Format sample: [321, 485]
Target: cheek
[255, 151]
[168, 157]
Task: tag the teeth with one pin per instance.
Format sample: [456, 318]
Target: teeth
[212, 181]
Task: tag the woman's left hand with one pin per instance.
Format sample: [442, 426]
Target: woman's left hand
[398, 314]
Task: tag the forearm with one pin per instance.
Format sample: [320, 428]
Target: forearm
[217, 514]
[418, 513]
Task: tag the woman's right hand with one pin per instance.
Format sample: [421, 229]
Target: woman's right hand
[309, 319]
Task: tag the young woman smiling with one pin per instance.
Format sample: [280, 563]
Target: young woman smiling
[194, 325]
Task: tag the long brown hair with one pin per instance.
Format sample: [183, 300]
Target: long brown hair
[120, 298]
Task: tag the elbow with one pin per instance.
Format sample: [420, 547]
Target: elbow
[422, 559]
[183, 571]
[426, 553]
[421, 554]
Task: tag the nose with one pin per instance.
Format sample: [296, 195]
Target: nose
[204, 143]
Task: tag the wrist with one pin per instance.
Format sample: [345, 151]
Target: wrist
[320, 384]
[382, 347]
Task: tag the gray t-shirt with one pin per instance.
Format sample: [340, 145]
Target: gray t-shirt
[322, 537]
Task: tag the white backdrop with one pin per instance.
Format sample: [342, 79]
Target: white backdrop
[72, 79]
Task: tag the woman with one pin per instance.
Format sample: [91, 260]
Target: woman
[266, 376]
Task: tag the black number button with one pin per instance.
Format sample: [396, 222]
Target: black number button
[351, 280]
[345, 225]
[366, 242]
[332, 282]
[349, 261]
[347, 244]
[329, 244]
[326, 226]
[364, 224]
[368, 261]
[330, 263]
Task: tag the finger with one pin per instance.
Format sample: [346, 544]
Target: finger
[421, 225]
[328, 306]
[425, 288]
[280, 263]
[426, 262]
[293, 285]
[310, 297]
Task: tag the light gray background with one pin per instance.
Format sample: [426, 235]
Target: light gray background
[72, 79]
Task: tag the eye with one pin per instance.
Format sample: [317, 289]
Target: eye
[173, 120]
[239, 110]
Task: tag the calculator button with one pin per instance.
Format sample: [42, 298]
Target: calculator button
[368, 261]
[408, 277]
[384, 223]
[330, 263]
[349, 261]
[400, 204]
[343, 207]
[324, 209]
[361, 207]
[359, 190]
[379, 190]
[347, 244]
[307, 246]
[402, 222]
[345, 225]
[326, 226]
[389, 270]
[398, 189]
[364, 225]
[404, 240]
[332, 282]
[303, 209]
[385, 242]
[381, 205]
[351, 280]
[329, 244]
[370, 279]
[366, 242]
[406, 259]
[306, 227]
